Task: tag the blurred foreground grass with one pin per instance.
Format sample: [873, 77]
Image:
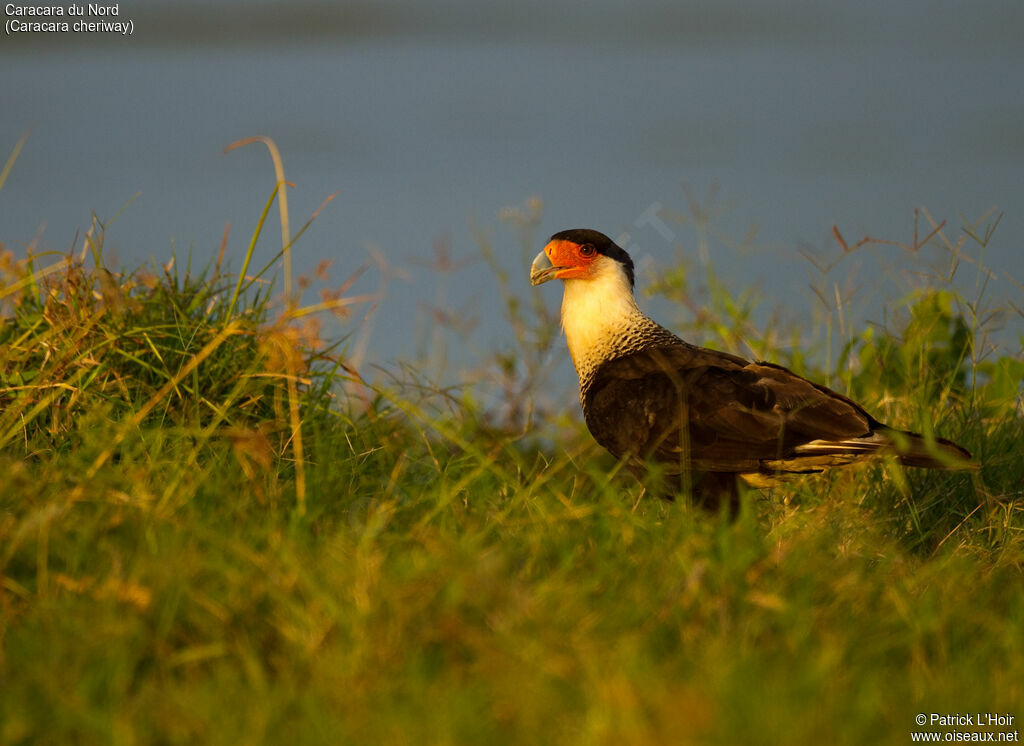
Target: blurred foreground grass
[173, 569]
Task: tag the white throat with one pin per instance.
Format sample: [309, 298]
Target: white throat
[596, 312]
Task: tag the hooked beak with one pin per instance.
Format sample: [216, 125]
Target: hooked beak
[542, 269]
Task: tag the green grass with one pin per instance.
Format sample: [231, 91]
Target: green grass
[176, 568]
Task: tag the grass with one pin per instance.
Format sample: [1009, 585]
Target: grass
[174, 570]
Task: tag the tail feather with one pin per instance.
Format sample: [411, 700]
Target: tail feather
[910, 449]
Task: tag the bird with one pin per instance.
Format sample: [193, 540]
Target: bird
[703, 421]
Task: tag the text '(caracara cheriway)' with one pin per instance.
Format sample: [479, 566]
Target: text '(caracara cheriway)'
[706, 418]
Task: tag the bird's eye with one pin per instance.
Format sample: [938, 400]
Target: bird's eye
[587, 250]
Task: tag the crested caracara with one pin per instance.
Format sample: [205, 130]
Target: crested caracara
[706, 418]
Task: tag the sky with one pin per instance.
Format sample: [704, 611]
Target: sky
[779, 120]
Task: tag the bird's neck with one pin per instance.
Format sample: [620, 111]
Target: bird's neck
[602, 321]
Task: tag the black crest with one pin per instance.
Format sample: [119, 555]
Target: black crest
[602, 243]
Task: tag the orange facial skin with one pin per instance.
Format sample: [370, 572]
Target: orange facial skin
[572, 260]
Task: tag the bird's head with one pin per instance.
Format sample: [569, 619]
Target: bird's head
[580, 254]
[598, 307]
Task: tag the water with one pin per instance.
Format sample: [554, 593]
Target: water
[804, 115]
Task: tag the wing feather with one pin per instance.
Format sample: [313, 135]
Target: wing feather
[713, 411]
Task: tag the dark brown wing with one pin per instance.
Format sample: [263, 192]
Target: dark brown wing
[712, 411]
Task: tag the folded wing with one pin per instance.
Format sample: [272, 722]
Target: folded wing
[714, 412]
